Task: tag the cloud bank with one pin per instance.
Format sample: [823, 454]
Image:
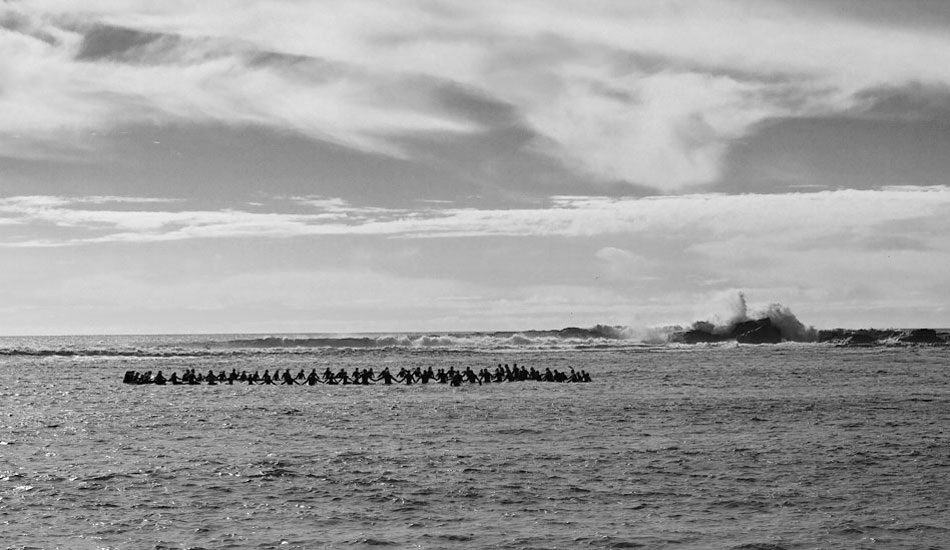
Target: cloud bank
[870, 219]
[317, 263]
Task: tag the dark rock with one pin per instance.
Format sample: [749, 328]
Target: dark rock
[756, 331]
[922, 336]
[765, 333]
[863, 338]
[697, 337]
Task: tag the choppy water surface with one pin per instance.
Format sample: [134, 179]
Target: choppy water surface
[733, 447]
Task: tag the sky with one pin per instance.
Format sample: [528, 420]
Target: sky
[297, 166]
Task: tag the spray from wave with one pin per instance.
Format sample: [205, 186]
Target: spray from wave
[776, 323]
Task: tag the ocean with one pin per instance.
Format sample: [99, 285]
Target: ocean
[745, 447]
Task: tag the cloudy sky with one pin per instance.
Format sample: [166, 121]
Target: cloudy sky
[369, 165]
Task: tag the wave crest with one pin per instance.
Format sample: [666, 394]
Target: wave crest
[536, 339]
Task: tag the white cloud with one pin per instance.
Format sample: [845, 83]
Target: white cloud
[622, 265]
[651, 92]
[779, 221]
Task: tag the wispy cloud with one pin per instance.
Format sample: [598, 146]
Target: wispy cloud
[786, 220]
[54, 93]
[649, 92]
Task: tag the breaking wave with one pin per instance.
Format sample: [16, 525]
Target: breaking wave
[771, 325]
[598, 335]
[776, 323]
[78, 348]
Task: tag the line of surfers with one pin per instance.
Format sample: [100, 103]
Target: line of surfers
[362, 377]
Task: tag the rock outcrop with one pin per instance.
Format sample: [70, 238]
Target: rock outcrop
[922, 336]
[757, 331]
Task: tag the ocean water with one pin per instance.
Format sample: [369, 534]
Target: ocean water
[798, 446]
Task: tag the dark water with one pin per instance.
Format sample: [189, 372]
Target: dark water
[794, 447]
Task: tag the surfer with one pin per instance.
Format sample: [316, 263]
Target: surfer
[470, 376]
[313, 378]
[499, 374]
[342, 377]
[287, 379]
[426, 375]
[405, 376]
[385, 376]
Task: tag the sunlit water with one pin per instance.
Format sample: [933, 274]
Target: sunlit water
[784, 447]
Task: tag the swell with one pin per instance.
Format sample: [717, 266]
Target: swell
[81, 352]
[598, 335]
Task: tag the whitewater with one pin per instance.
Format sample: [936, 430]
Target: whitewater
[768, 447]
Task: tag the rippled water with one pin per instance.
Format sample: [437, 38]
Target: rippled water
[736, 447]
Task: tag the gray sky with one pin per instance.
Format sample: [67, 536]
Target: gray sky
[363, 165]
